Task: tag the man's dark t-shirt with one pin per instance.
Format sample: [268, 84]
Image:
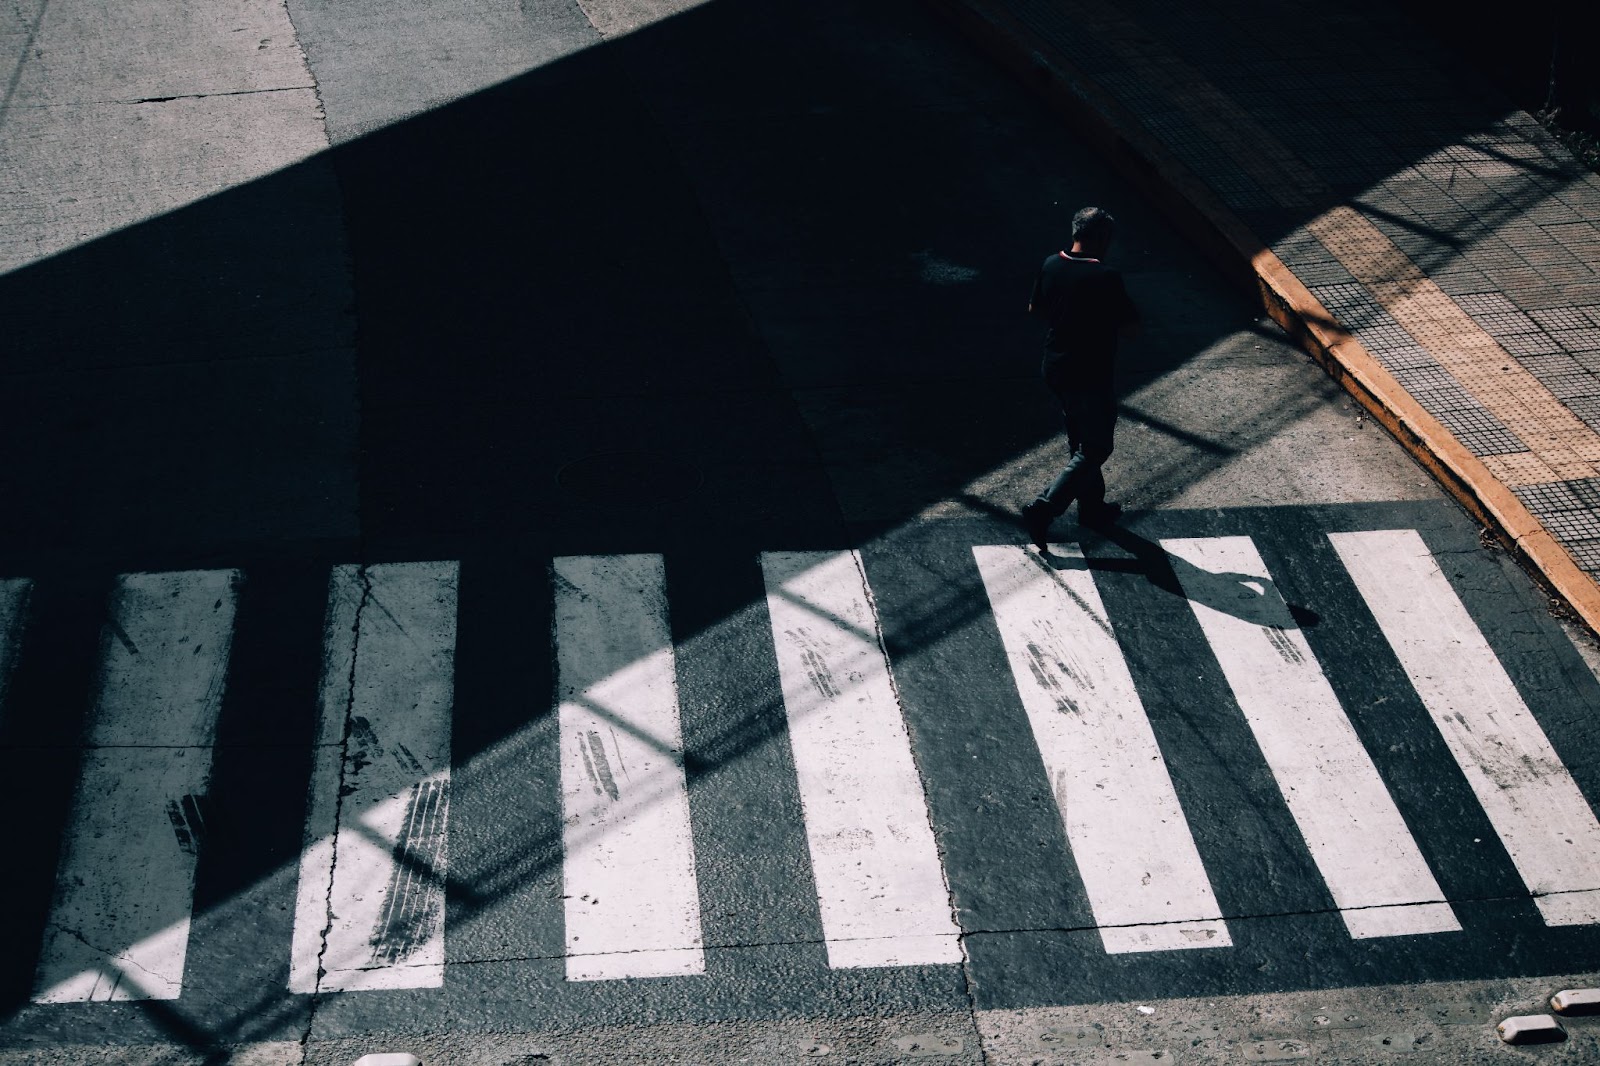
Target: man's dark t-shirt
[1086, 305]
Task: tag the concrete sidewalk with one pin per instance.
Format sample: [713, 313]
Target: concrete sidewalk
[1432, 245]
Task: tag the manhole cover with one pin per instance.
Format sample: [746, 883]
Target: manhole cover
[629, 478]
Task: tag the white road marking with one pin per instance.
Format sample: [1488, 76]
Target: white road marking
[632, 899]
[879, 880]
[1355, 833]
[14, 595]
[1130, 840]
[119, 925]
[1535, 806]
[370, 909]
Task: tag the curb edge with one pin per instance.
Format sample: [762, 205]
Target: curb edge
[1202, 217]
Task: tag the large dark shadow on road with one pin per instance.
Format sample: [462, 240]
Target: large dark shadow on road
[591, 310]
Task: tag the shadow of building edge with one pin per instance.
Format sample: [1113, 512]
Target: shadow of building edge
[145, 308]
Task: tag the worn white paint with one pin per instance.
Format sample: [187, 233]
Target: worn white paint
[119, 924]
[880, 884]
[1130, 840]
[1546, 824]
[365, 919]
[632, 900]
[1355, 833]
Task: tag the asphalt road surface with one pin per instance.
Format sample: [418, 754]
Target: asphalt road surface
[510, 543]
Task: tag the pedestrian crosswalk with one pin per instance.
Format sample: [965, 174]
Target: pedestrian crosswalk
[374, 875]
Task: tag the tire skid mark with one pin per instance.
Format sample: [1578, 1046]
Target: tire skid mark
[188, 824]
[817, 670]
[588, 767]
[1278, 637]
[414, 899]
[1049, 662]
[601, 765]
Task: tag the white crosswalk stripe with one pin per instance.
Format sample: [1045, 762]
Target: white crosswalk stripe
[1368, 858]
[1128, 835]
[632, 900]
[880, 884]
[369, 907]
[1531, 799]
[119, 926]
[369, 913]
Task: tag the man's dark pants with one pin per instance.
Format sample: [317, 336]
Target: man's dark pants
[1091, 417]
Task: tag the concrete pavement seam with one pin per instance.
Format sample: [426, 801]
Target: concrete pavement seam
[1233, 246]
[364, 576]
[305, 62]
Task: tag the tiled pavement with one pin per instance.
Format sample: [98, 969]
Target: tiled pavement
[1453, 237]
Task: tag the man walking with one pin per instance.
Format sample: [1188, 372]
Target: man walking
[1088, 309]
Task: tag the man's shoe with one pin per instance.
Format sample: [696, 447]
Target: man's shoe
[1037, 523]
[1101, 517]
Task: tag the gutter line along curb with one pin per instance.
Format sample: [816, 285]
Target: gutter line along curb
[1232, 246]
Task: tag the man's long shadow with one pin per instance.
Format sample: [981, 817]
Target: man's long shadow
[1251, 598]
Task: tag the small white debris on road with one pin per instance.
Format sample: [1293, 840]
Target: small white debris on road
[1576, 1001]
[1531, 1029]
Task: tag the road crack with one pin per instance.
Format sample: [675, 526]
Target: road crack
[207, 96]
[365, 578]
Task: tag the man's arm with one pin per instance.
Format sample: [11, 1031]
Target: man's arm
[1036, 301]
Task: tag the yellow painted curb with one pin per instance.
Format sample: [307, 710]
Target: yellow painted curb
[1202, 216]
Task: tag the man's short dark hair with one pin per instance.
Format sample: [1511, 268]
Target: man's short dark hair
[1093, 226]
